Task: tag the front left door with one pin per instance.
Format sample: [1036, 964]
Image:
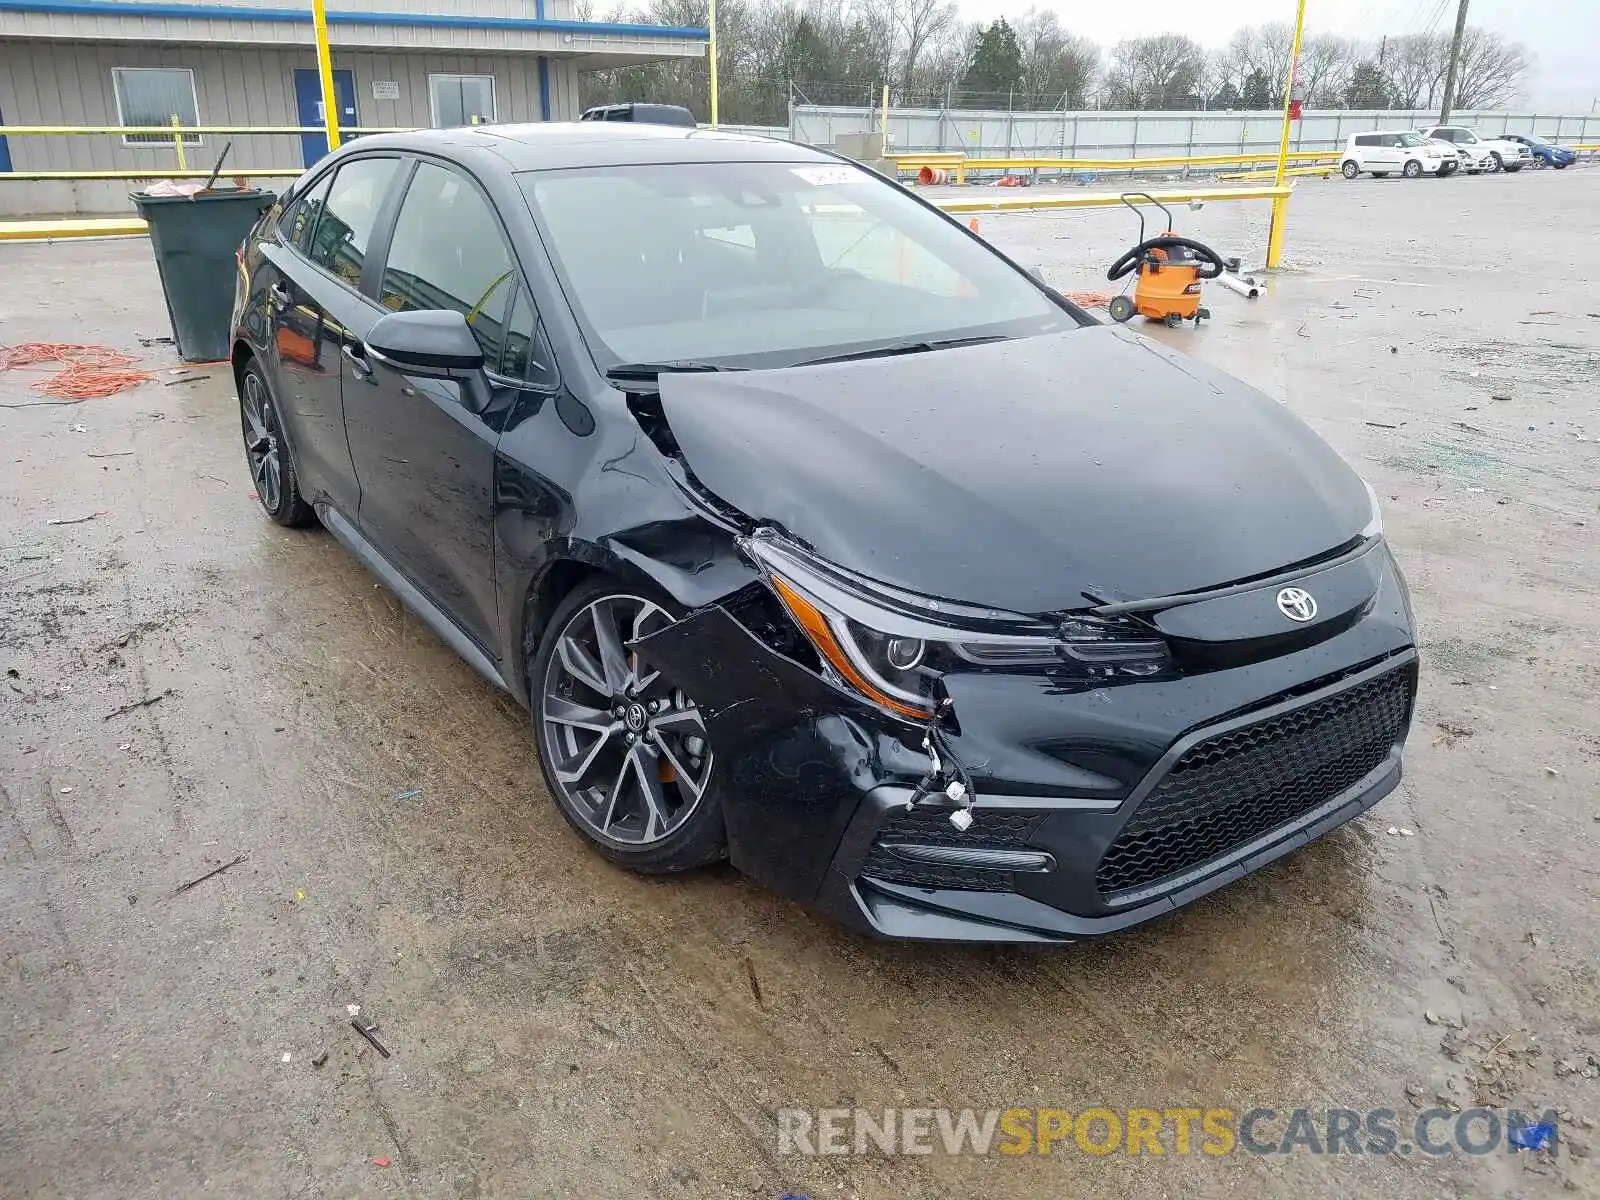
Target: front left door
[425, 460]
[308, 106]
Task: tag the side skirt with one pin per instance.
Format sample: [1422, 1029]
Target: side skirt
[410, 595]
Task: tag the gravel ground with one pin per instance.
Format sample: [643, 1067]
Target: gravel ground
[559, 1028]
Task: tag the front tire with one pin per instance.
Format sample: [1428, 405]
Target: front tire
[1499, 165]
[624, 753]
[267, 451]
[1350, 170]
[1412, 169]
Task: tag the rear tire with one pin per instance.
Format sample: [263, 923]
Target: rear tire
[1350, 169]
[1120, 308]
[267, 451]
[1412, 169]
[635, 786]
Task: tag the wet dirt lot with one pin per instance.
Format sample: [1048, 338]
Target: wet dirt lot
[560, 1028]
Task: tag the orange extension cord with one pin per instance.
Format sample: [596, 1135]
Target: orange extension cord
[86, 372]
[1089, 299]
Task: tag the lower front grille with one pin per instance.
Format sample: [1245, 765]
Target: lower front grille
[1228, 790]
[931, 827]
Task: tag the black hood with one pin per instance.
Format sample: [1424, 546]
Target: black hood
[1023, 474]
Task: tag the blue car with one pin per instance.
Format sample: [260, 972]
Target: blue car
[1545, 154]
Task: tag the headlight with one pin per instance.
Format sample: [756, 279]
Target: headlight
[892, 647]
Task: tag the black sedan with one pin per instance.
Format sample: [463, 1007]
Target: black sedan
[817, 535]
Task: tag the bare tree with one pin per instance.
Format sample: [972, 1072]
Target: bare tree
[1416, 63]
[1324, 71]
[916, 23]
[1491, 71]
[1164, 71]
[1055, 63]
[1264, 48]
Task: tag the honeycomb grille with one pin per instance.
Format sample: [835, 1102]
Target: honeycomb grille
[1230, 789]
[931, 827]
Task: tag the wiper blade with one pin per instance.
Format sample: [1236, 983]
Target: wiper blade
[897, 348]
[651, 370]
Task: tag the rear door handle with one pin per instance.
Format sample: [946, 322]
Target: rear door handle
[353, 354]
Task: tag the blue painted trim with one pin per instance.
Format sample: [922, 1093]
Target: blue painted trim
[238, 12]
[5, 150]
[544, 88]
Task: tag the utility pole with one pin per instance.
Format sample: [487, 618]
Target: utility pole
[1455, 63]
[1383, 48]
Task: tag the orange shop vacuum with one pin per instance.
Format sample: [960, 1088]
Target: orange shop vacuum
[1171, 269]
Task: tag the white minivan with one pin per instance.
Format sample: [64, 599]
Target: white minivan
[1399, 151]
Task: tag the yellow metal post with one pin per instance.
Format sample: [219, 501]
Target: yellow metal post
[1280, 205]
[330, 101]
[177, 143]
[711, 50]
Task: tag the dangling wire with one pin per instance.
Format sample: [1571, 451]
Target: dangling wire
[946, 772]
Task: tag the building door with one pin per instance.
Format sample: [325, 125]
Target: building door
[308, 100]
[5, 150]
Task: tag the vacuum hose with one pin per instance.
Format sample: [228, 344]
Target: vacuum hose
[1211, 261]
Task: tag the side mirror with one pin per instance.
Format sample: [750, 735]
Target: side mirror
[432, 344]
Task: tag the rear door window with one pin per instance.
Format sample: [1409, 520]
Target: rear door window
[448, 252]
[345, 224]
[301, 218]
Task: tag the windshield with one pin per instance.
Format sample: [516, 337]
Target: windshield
[1411, 139]
[768, 264]
[1533, 139]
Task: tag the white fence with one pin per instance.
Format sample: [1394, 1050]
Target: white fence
[1147, 134]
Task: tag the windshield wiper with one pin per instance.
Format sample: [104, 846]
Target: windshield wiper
[652, 370]
[897, 348]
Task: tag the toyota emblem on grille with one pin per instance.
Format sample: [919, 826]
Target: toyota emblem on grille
[1297, 604]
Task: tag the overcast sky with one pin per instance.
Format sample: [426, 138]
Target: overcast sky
[1564, 35]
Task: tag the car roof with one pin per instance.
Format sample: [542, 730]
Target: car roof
[1384, 132]
[548, 145]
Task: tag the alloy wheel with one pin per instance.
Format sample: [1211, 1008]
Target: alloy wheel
[626, 748]
[261, 441]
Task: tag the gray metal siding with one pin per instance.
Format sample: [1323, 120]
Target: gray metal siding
[70, 84]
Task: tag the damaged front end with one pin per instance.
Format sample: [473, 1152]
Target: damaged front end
[921, 768]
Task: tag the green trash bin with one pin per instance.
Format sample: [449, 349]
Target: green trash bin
[194, 239]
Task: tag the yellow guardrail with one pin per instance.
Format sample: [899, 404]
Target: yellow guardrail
[1025, 202]
[123, 226]
[960, 165]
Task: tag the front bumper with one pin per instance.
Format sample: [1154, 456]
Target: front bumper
[1098, 808]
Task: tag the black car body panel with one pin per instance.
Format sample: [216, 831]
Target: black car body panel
[1023, 474]
[1042, 475]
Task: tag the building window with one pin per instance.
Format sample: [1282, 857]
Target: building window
[460, 99]
[149, 96]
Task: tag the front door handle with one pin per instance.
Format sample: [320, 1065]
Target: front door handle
[279, 295]
[352, 352]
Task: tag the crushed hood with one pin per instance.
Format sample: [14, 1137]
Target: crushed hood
[1022, 474]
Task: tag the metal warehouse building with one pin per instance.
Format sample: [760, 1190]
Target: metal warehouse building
[397, 63]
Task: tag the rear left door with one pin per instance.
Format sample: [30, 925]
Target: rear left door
[425, 460]
[314, 301]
